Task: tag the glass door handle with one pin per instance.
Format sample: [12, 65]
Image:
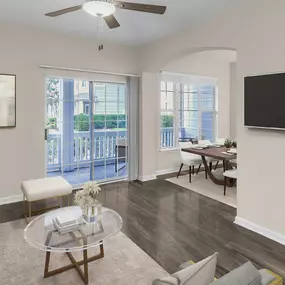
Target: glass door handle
[46, 134]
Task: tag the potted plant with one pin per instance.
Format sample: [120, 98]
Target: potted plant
[228, 143]
[86, 199]
[234, 144]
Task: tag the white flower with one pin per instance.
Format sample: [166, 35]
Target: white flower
[87, 196]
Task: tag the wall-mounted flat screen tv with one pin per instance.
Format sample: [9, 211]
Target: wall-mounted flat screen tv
[264, 101]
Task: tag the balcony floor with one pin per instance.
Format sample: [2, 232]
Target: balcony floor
[82, 175]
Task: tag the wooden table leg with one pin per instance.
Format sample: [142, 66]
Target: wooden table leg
[74, 264]
[85, 258]
[47, 264]
[216, 180]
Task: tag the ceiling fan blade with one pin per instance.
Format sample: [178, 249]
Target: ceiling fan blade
[64, 11]
[155, 9]
[112, 22]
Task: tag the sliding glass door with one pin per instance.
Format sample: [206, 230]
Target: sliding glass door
[110, 130]
[86, 130]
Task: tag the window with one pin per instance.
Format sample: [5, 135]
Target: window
[167, 110]
[110, 106]
[187, 111]
[110, 98]
[84, 84]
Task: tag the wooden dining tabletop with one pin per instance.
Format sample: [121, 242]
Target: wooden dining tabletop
[217, 153]
[214, 152]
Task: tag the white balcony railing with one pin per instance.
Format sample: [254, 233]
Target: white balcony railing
[80, 151]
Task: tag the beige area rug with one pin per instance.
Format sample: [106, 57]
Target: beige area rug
[124, 262]
[208, 188]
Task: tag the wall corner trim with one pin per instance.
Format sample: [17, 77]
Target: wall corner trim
[260, 230]
[11, 199]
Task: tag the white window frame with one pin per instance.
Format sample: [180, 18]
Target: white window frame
[174, 110]
[178, 93]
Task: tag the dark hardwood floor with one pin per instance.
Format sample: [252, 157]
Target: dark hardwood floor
[174, 225]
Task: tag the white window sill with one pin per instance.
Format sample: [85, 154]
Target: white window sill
[169, 149]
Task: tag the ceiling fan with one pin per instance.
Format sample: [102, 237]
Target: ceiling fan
[106, 9]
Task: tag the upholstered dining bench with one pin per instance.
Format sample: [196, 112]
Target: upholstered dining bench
[44, 188]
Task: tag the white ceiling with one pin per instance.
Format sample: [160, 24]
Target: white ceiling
[137, 28]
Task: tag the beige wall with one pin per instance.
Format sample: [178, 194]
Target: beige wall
[149, 122]
[22, 150]
[233, 100]
[257, 33]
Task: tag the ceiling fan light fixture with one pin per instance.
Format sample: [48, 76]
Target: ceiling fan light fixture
[99, 8]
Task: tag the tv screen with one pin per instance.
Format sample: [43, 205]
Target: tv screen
[264, 101]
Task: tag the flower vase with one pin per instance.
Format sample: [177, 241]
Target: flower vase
[92, 214]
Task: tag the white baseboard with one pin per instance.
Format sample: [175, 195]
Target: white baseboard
[11, 199]
[167, 171]
[260, 230]
[147, 178]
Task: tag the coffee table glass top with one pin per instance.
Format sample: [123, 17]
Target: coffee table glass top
[41, 233]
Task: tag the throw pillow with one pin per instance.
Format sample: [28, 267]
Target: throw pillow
[266, 277]
[246, 274]
[201, 273]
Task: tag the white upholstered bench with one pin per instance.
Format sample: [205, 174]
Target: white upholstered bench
[44, 188]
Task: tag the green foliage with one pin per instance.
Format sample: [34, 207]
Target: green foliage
[234, 144]
[166, 121]
[52, 124]
[112, 121]
[52, 89]
[228, 143]
[81, 122]
[52, 97]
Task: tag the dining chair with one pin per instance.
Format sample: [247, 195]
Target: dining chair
[221, 141]
[229, 174]
[210, 160]
[189, 159]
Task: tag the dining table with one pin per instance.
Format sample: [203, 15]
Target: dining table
[218, 153]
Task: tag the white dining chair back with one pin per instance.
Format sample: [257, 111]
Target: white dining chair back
[232, 173]
[189, 159]
[221, 141]
[204, 142]
[186, 156]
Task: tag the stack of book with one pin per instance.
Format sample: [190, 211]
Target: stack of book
[65, 223]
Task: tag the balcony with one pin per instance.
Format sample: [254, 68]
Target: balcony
[76, 165]
[105, 153]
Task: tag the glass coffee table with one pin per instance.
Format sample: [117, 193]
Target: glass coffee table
[41, 234]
